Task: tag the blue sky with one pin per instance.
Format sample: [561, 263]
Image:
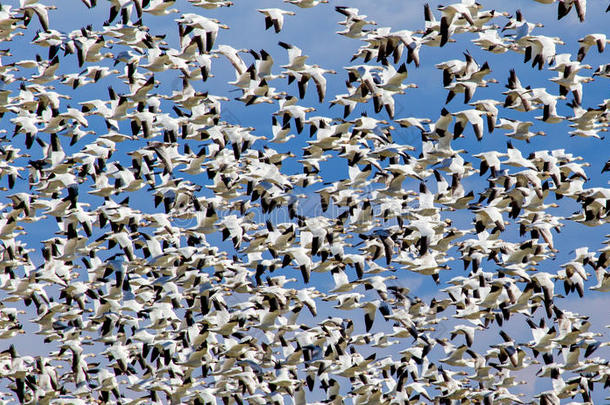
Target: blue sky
[313, 31]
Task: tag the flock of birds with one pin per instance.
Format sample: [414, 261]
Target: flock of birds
[185, 269]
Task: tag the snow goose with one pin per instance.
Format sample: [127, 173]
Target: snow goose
[41, 11]
[589, 40]
[564, 7]
[540, 49]
[354, 22]
[210, 27]
[274, 17]
[516, 159]
[468, 87]
[296, 61]
[602, 71]
[316, 73]
[297, 112]
[490, 160]
[413, 122]
[491, 111]
[464, 9]
[572, 83]
[472, 116]
[491, 41]
[519, 129]
[603, 280]
[301, 256]
[522, 27]
[456, 68]
[160, 7]
[305, 3]
[211, 4]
